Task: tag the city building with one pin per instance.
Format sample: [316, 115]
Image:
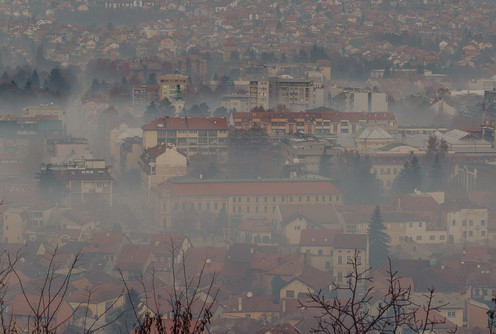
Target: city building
[86, 181]
[45, 110]
[159, 163]
[313, 122]
[240, 199]
[191, 135]
[169, 85]
[145, 94]
[296, 94]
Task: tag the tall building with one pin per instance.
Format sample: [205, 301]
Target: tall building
[294, 93]
[191, 135]
[145, 94]
[86, 181]
[169, 85]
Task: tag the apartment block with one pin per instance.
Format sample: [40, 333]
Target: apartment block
[191, 135]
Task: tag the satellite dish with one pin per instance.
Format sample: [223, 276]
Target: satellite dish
[249, 294]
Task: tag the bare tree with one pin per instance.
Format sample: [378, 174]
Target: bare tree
[48, 310]
[190, 301]
[491, 318]
[362, 311]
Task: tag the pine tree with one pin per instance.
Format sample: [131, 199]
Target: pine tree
[436, 174]
[415, 176]
[378, 240]
[35, 79]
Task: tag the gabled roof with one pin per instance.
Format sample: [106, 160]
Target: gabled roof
[318, 237]
[320, 214]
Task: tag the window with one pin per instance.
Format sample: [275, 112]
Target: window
[419, 237]
[247, 199]
[451, 314]
[215, 206]
[340, 259]
[470, 233]
[320, 252]
[328, 265]
[265, 209]
[340, 277]
[247, 209]
[323, 198]
[432, 237]
[308, 198]
[442, 237]
[234, 199]
[471, 223]
[299, 198]
[483, 233]
[337, 198]
[464, 223]
[316, 198]
[208, 206]
[265, 199]
[483, 222]
[297, 227]
[290, 294]
[454, 222]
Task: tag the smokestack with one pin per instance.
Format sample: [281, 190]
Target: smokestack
[240, 304]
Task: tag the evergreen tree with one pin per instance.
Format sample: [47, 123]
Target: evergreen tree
[402, 184]
[277, 284]
[436, 174]
[325, 164]
[378, 240]
[35, 79]
[415, 176]
[28, 85]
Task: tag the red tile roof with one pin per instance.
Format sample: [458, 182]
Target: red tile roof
[187, 123]
[239, 187]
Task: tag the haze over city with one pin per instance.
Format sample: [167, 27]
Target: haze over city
[227, 166]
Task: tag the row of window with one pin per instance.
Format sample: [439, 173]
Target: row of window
[470, 222]
[274, 199]
[198, 206]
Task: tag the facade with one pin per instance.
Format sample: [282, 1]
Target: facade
[237, 102]
[14, 225]
[313, 122]
[297, 94]
[169, 84]
[467, 226]
[159, 163]
[307, 153]
[45, 110]
[191, 135]
[86, 181]
[68, 148]
[145, 94]
[240, 199]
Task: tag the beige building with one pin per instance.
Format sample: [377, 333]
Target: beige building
[239, 198]
[467, 226]
[171, 84]
[191, 135]
[14, 225]
[158, 164]
[372, 138]
[237, 102]
[45, 110]
[296, 94]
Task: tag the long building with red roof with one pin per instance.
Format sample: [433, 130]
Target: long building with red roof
[206, 135]
[316, 122]
[240, 198]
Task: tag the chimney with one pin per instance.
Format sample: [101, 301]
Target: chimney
[240, 304]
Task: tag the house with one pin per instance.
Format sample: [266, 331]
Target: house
[311, 280]
[134, 261]
[254, 230]
[290, 220]
[100, 300]
[106, 246]
[58, 317]
[260, 308]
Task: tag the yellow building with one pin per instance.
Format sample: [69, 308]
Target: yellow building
[45, 110]
[314, 123]
[191, 135]
[169, 84]
[239, 198]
